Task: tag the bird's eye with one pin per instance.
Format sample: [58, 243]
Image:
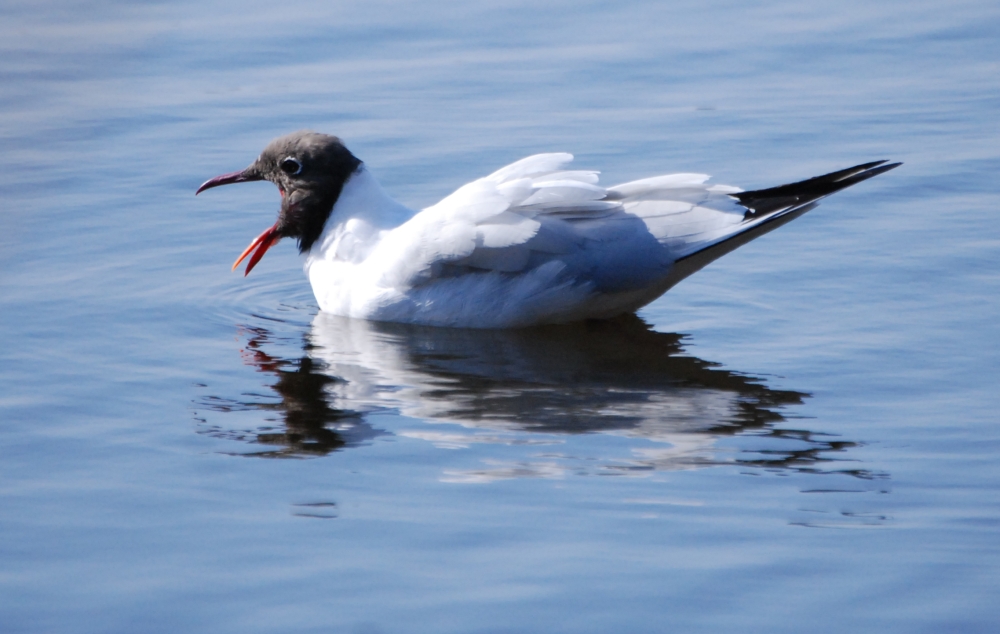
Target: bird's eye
[290, 166]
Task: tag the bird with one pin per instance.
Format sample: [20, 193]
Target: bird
[533, 243]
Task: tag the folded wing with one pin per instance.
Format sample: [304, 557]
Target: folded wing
[646, 233]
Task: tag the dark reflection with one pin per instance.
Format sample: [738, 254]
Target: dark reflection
[308, 424]
[592, 376]
[530, 387]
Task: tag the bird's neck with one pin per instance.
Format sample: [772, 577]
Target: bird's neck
[363, 210]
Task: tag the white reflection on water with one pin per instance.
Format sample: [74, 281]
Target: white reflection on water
[531, 390]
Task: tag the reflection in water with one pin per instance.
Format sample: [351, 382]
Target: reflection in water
[525, 388]
[308, 425]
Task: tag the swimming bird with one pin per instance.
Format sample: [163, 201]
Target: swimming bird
[532, 243]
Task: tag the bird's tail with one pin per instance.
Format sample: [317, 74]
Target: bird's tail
[768, 209]
[762, 202]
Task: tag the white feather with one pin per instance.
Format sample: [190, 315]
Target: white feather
[530, 243]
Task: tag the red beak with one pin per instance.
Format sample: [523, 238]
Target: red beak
[228, 179]
[264, 241]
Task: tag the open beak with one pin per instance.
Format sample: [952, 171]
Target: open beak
[243, 176]
[261, 243]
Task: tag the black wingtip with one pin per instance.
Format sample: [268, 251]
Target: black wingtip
[863, 173]
[765, 201]
[885, 168]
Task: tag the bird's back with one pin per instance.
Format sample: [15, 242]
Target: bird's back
[531, 243]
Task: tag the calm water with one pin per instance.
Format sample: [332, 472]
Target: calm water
[804, 436]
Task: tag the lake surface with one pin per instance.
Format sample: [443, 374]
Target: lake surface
[802, 437]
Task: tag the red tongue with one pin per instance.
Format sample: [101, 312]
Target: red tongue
[262, 243]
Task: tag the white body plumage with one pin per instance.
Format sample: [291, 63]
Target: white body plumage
[531, 243]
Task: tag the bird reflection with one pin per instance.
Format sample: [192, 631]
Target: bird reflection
[531, 386]
[309, 425]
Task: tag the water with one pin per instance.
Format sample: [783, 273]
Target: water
[802, 436]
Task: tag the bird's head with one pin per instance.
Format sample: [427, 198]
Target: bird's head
[310, 170]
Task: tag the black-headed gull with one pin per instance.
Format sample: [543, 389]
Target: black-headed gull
[531, 243]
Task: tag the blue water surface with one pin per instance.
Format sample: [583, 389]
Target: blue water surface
[801, 437]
